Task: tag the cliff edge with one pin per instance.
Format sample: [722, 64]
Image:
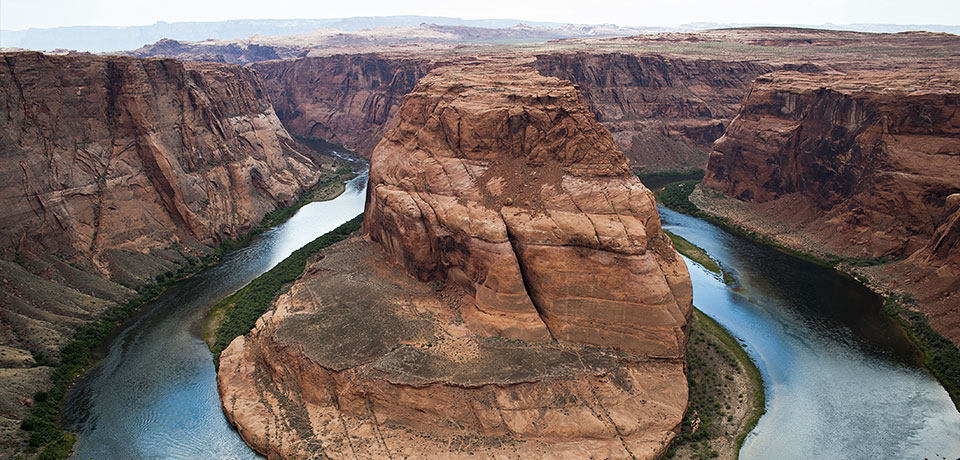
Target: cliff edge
[514, 295]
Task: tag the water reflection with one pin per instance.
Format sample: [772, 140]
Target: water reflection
[154, 393]
[842, 380]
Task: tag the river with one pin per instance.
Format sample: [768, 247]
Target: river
[154, 393]
[842, 381]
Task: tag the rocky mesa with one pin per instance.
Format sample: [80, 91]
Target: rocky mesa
[863, 165]
[513, 295]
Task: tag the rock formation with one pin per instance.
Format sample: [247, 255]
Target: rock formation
[346, 99]
[515, 296]
[113, 170]
[664, 113]
[865, 165]
[104, 155]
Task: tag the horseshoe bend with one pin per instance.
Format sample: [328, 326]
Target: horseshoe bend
[511, 294]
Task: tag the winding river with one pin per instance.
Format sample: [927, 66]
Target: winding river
[842, 380]
[154, 393]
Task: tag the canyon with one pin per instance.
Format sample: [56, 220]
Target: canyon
[483, 310]
[862, 166]
[512, 292]
[116, 171]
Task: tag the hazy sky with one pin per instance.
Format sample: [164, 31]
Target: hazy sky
[22, 14]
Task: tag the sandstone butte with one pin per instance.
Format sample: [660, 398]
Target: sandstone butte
[512, 295]
[113, 170]
[863, 165]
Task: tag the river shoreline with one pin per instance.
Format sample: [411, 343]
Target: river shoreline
[689, 198]
[744, 385]
[323, 192]
[84, 350]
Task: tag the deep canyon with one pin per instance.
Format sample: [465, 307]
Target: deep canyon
[511, 289]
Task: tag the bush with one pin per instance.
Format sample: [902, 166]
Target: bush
[242, 309]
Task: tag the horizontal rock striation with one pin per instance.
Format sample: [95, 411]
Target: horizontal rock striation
[345, 99]
[865, 165]
[514, 296]
[506, 185]
[664, 112]
[114, 170]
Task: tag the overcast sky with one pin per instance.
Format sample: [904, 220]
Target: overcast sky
[22, 14]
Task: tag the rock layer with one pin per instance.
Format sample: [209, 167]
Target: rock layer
[516, 296]
[346, 99]
[867, 165]
[664, 113]
[109, 154]
[114, 170]
[500, 180]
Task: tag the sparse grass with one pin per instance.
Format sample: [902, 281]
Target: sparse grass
[940, 355]
[694, 252]
[239, 312]
[712, 355]
[42, 421]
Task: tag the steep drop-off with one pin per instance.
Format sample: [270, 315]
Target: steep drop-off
[114, 170]
[346, 99]
[863, 165]
[664, 113]
[515, 295]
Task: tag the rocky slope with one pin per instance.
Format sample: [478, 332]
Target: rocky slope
[515, 295]
[113, 170]
[664, 113]
[863, 165]
[345, 99]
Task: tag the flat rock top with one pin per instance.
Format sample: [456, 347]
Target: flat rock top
[362, 312]
[913, 83]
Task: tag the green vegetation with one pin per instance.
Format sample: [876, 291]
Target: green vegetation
[698, 255]
[940, 355]
[712, 355]
[693, 252]
[656, 180]
[239, 312]
[42, 420]
[319, 192]
[676, 196]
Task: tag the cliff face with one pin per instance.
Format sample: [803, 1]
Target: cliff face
[552, 207]
[866, 165]
[664, 113]
[346, 99]
[516, 295]
[874, 156]
[110, 154]
[113, 170]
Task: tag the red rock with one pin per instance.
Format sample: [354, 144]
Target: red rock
[346, 99]
[516, 296]
[865, 164]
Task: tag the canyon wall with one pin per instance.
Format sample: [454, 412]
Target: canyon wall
[514, 295]
[663, 112]
[114, 170]
[861, 165]
[344, 99]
